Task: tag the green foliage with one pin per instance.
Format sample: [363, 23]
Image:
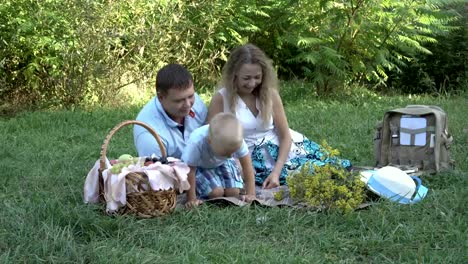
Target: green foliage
[342, 42]
[63, 53]
[327, 187]
[191, 33]
[444, 70]
[66, 53]
[52, 56]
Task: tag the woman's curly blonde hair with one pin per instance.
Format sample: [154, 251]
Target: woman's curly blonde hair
[251, 54]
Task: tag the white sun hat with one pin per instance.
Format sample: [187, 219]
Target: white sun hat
[394, 184]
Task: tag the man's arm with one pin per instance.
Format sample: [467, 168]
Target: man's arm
[147, 145]
[201, 109]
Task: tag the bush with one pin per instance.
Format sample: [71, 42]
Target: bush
[62, 53]
[444, 70]
[68, 53]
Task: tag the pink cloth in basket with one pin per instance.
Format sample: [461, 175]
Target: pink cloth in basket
[160, 177]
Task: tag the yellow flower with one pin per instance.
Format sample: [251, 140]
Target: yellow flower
[279, 195]
[330, 186]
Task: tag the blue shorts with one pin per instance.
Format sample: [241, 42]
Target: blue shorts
[225, 176]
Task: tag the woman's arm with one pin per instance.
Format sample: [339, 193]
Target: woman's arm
[216, 106]
[284, 137]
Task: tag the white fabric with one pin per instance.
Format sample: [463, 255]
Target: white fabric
[254, 130]
[91, 186]
[160, 177]
[255, 133]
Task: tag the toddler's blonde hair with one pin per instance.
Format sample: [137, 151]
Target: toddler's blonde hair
[226, 131]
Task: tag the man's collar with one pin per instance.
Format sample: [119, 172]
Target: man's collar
[191, 113]
[160, 109]
[169, 121]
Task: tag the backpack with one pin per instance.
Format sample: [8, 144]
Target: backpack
[417, 136]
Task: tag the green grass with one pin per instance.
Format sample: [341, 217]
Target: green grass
[45, 157]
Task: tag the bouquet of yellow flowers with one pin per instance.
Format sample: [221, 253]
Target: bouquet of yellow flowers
[327, 187]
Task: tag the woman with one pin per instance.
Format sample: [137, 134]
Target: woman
[250, 91]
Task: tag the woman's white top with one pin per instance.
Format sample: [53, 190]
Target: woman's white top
[254, 130]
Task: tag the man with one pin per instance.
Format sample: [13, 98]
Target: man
[173, 113]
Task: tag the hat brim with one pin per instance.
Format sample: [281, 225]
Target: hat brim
[420, 194]
[381, 190]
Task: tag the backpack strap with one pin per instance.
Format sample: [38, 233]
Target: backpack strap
[414, 132]
[435, 107]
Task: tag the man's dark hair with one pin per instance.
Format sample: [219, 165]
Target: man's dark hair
[172, 76]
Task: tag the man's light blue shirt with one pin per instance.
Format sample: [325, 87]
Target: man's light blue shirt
[173, 139]
[198, 152]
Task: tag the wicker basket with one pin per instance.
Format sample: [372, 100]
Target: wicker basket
[141, 202]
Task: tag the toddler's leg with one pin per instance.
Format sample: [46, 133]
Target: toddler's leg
[209, 184]
[231, 192]
[231, 178]
[216, 193]
[224, 180]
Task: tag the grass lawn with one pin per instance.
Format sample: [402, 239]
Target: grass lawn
[45, 157]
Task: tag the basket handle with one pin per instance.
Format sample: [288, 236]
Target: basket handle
[119, 126]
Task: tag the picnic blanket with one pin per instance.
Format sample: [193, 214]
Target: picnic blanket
[265, 197]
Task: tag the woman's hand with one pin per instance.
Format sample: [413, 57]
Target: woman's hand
[271, 181]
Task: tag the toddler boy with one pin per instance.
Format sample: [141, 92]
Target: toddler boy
[210, 153]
